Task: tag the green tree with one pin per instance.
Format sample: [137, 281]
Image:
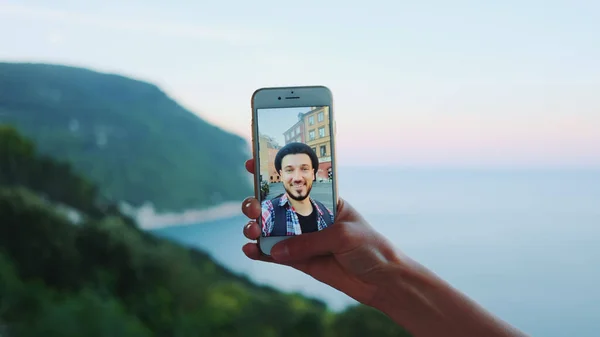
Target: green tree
[361, 321]
[125, 135]
[103, 276]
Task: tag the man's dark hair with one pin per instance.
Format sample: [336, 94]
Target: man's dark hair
[297, 148]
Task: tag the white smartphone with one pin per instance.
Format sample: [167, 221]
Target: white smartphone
[293, 139]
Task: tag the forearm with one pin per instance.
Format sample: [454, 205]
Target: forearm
[427, 306]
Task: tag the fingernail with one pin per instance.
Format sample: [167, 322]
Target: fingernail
[280, 252]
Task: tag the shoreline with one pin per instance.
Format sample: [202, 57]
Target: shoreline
[148, 219]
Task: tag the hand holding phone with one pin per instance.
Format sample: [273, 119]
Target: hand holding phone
[293, 137]
[296, 194]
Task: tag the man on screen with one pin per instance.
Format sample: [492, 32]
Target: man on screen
[295, 212]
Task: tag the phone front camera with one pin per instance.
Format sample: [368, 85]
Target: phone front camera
[279, 98]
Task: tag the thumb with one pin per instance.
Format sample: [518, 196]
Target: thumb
[331, 240]
[307, 246]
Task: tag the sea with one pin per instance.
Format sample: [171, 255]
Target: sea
[525, 244]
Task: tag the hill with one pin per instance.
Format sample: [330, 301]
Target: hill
[99, 275]
[125, 134]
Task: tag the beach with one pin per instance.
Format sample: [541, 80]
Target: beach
[149, 219]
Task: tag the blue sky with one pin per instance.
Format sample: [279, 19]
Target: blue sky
[274, 122]
[429, 83]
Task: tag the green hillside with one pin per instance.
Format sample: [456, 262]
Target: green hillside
[98, 275]
[125, 134]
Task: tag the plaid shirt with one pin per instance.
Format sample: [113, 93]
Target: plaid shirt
[293, 223]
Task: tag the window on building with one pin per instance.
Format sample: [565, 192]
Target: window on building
[320, 116]
[297, 131]
[311, 120]
[323, 151]
[322, 132]
[311, 135]
[314, 149]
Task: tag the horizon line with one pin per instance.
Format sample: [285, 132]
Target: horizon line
[442, 167]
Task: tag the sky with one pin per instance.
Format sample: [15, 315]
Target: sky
[428, 83]
[274, 122]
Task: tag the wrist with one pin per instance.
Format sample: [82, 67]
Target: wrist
[425, 305]
[405, 295]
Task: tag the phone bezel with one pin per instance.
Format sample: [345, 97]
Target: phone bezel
[290, 97]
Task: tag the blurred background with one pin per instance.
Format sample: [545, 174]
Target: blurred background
[467, 134]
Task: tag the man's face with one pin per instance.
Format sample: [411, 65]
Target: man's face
[297, 175]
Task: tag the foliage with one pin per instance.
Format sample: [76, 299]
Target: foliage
[264, 189]
[125, 134]
[103, 276]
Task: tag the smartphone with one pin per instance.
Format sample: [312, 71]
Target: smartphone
[293, 141]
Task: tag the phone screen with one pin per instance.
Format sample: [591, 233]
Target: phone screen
[296, 170]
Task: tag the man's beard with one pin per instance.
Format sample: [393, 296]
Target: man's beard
[296, 197]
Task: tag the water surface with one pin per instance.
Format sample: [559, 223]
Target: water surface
[525, 244]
